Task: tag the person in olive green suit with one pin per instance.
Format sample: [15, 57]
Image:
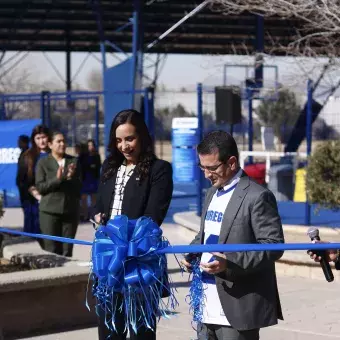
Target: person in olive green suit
[58, 181]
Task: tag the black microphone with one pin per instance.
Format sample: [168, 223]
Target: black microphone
[313, 233]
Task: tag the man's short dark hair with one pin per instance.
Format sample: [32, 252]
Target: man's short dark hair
[221, 142]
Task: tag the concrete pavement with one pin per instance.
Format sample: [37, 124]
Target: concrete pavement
[311, 307]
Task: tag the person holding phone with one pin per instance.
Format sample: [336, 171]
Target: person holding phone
[58, 182]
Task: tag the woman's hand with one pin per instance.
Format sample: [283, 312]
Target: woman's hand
[35, 193]
[71, 169]
[60, 172]
[98, 217]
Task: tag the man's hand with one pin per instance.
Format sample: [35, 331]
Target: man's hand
[217, 266]
[331, 254]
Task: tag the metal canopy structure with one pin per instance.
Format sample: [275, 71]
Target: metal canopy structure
[70, 25]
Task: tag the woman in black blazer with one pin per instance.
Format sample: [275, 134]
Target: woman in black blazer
[133, 183]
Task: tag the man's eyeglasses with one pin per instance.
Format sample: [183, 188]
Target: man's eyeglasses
[209, 168]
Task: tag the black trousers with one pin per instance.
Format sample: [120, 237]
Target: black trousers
[104, 333]
[64, 225]
[219, 332]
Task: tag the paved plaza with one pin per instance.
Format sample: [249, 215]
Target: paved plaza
[311, 307]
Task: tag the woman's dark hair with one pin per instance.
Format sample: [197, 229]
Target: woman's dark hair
[53, 134]
[94, 145]
[221, 142]
[115, 159]
[31, 155]
[91, 141]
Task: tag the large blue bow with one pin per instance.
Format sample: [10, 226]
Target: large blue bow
[124, 253]
[125, 263]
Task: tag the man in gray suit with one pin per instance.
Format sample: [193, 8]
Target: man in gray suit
[240, 287]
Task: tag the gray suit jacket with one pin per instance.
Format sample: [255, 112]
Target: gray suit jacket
[248, 288]
[59, 196]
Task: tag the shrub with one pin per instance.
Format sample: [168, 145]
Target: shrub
[323, 175]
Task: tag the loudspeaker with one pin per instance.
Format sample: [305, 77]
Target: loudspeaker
[228, 105]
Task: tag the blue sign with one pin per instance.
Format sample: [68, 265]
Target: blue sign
[10, 130]
[185, 137]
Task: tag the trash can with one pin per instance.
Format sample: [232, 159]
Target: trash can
[257, 172]
[300, 185]
[281, 182]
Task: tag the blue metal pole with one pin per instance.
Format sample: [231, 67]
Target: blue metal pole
[152, 112]
[200, 132]
[48, 110]
[74, 128]
[135, 43]
[5, 203]
[225, 75]
[2, 108]
[103, 53]
[97, 121]
[146, 109]
[309, 142]
[250, 122]
[259, 45]
[42, 108]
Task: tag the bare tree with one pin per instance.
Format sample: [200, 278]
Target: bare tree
[316, 22]
[94, 80]
[23, 80]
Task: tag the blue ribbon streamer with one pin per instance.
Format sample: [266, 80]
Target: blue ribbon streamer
[128, 260]
[196, 296]
[127, 267]
[46, 237]
[199, 248]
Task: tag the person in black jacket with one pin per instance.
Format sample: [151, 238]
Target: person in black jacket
[23, 144]
[29, 194]
[90, 165]
[133, 183]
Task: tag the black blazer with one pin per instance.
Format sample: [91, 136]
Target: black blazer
[149, 197]
[92, 168]
[23, 181]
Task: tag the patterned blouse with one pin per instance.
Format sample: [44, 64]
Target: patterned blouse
[123, 175]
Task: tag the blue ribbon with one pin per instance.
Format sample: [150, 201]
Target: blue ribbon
[121, 260]
[128, 260]
[126, 263]
[199, 248]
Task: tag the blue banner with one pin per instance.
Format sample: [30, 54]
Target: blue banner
[10, 130]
